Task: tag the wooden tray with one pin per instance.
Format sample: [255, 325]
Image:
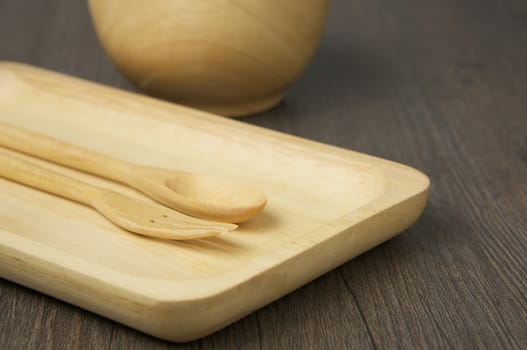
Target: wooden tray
[326, 206]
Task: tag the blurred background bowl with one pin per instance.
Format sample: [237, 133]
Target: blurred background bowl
[229, 57]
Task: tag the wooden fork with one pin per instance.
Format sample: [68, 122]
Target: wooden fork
[135, 215]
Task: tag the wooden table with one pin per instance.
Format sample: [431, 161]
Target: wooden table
[440, 85]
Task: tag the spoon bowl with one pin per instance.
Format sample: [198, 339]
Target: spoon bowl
[199, 195]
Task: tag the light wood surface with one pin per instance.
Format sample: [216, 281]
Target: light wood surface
[206, 197]
[138, 216]
[326, 205]
[228, 57]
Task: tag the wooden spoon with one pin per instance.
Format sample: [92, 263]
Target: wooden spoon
[135, 215]
[197, 195]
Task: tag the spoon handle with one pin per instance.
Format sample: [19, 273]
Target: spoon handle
[63, 153]
[21, 171]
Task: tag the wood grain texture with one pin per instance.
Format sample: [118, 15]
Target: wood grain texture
[439, 85]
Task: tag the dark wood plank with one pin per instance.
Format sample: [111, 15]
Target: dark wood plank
[440, 85]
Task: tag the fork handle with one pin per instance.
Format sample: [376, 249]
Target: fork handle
[30, 174]
[63, 153]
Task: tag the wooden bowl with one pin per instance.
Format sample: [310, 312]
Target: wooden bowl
[231, 58]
